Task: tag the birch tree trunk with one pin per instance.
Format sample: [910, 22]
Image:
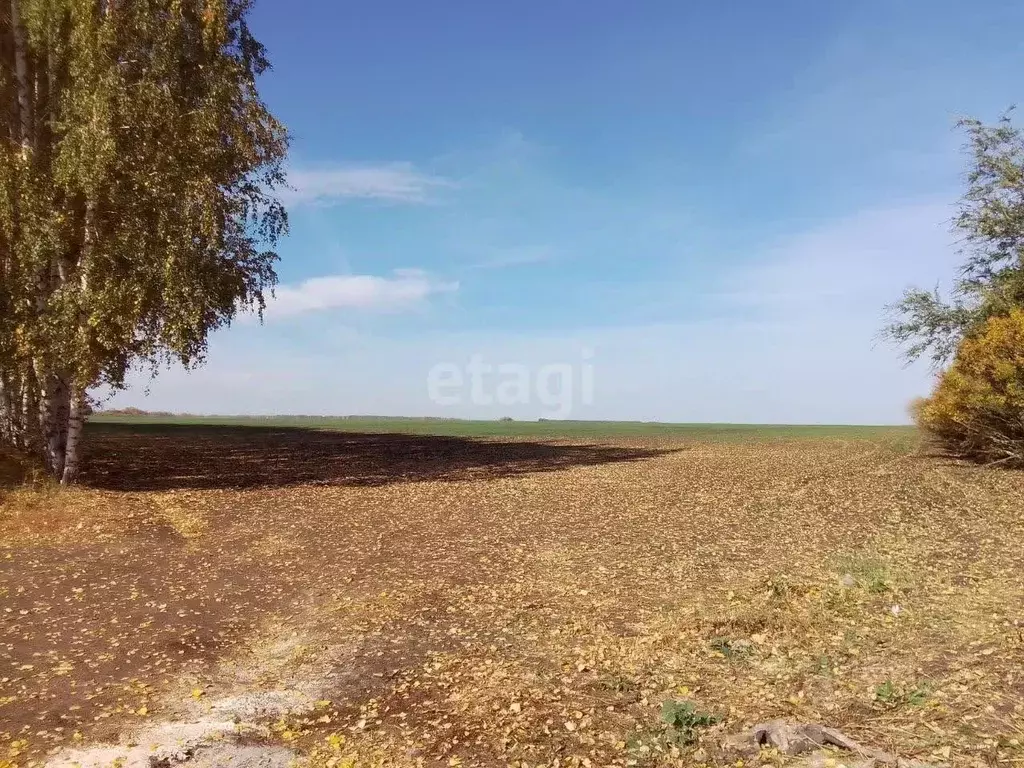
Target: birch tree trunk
[73, 446]
[73, 416]
[8, 429]
[21, 76]
[49, 421]
[137, 214]
[28, 414]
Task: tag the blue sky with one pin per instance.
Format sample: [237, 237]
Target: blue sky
[707, 203]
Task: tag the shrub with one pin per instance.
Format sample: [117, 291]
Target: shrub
[682, 720]
[915, 408]
[977, 408]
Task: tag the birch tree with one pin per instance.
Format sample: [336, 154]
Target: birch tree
[137, 211]
[990, 224]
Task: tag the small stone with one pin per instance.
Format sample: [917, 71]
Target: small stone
[848, 581]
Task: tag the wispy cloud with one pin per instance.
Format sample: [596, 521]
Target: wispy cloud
[392, 182]
[502, 258]
[855, 263]
[403, 289]
[789, 338]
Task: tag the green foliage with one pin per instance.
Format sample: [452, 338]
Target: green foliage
[977, 408]
[619, 684]
[732, 649]
[682, 720]
[990, 224]
[868, 572]
[886, 693]
[824, 666]
[137, 171]
[918, 695]
[891, 695]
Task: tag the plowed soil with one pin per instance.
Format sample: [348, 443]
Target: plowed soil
[493, 602]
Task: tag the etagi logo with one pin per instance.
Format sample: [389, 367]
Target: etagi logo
[553, 386]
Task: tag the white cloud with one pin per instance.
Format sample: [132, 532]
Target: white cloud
[405, 288]
[793, 340]
[394, 182]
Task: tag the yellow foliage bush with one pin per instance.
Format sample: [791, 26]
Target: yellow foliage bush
[977, 408]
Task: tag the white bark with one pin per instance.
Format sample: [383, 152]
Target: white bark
[12, 428]
[61, 414]
[21, 77]
[7, 426]
[72, 418]
[49, 419]
[73, 447]
[26, 414]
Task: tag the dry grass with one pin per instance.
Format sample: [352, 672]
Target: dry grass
[536, 618]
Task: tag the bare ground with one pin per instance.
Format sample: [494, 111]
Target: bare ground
[404, 600]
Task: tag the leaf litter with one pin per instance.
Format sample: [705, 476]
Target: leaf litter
[526, 618]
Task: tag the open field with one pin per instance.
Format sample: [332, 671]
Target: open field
[539, 429]
[528, 598]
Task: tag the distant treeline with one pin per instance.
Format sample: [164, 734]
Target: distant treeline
[132, 411]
